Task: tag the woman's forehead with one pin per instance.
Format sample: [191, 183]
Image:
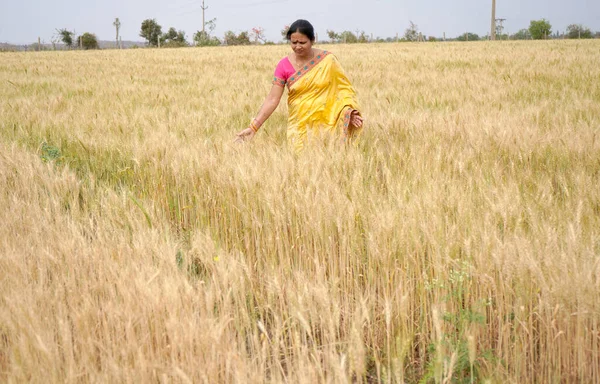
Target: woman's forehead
[298, 36]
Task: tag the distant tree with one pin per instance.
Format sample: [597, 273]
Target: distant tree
[241, 39]
[210, 26]
[88, 41]
[170, 35]
[151, 31]
[499, 31]
[173, 39]
[205, 38]
[540, 29]
[468, 37]
[284, 32]
[66, 36]
[412, 32]
[362, 37]
[333, 36]
[348, 37]
[258, 34]
[578, 31]
[522, 34]
[181, 38]
[55, 40]
[230, 38]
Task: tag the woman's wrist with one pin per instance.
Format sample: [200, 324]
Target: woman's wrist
[254, 125]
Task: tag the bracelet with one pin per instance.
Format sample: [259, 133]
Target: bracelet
[253, 126]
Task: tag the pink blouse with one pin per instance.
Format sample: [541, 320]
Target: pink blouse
[283, 72]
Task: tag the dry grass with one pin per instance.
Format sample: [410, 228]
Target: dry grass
[459, 242]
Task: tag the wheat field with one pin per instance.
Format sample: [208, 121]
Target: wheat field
[457, 242]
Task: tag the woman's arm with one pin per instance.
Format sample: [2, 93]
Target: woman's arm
[267, 109]
[269, 106]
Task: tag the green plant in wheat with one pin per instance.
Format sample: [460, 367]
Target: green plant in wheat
[49, 152]
[455, 354]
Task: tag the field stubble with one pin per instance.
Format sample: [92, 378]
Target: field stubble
[458, 242]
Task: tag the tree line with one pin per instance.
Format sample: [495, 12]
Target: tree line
[538, 30]
[153, 33]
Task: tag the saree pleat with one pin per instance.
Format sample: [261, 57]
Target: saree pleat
[320, 102]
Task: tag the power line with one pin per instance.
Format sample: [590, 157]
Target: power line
[258, 3]
[179, 7]
[237, 6]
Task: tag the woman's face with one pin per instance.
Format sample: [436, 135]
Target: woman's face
[301, 44]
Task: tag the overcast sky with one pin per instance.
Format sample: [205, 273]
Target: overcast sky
[22, 21]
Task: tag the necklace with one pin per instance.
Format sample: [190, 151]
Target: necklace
[304, 62]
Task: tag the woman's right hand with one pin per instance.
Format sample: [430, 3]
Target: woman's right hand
[245, 135]
[356, 120]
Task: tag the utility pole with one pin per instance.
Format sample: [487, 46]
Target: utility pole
[203, 10]
[493, 31]
[117, 24]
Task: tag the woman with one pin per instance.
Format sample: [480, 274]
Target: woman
[321, 100]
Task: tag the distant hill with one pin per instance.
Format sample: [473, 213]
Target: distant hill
[104, 44]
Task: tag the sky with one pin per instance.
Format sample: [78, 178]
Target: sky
[23, 21]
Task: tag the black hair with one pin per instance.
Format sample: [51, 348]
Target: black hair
[303, 27]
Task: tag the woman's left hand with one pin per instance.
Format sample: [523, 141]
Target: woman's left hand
[245, 135]
[356, 120]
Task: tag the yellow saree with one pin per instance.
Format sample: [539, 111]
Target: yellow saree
[320, 102]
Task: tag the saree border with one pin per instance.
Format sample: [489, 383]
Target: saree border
[303, 71]
[278, 81]
[349, 131]
[347, 111]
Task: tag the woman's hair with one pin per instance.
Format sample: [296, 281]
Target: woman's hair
[303, 27]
